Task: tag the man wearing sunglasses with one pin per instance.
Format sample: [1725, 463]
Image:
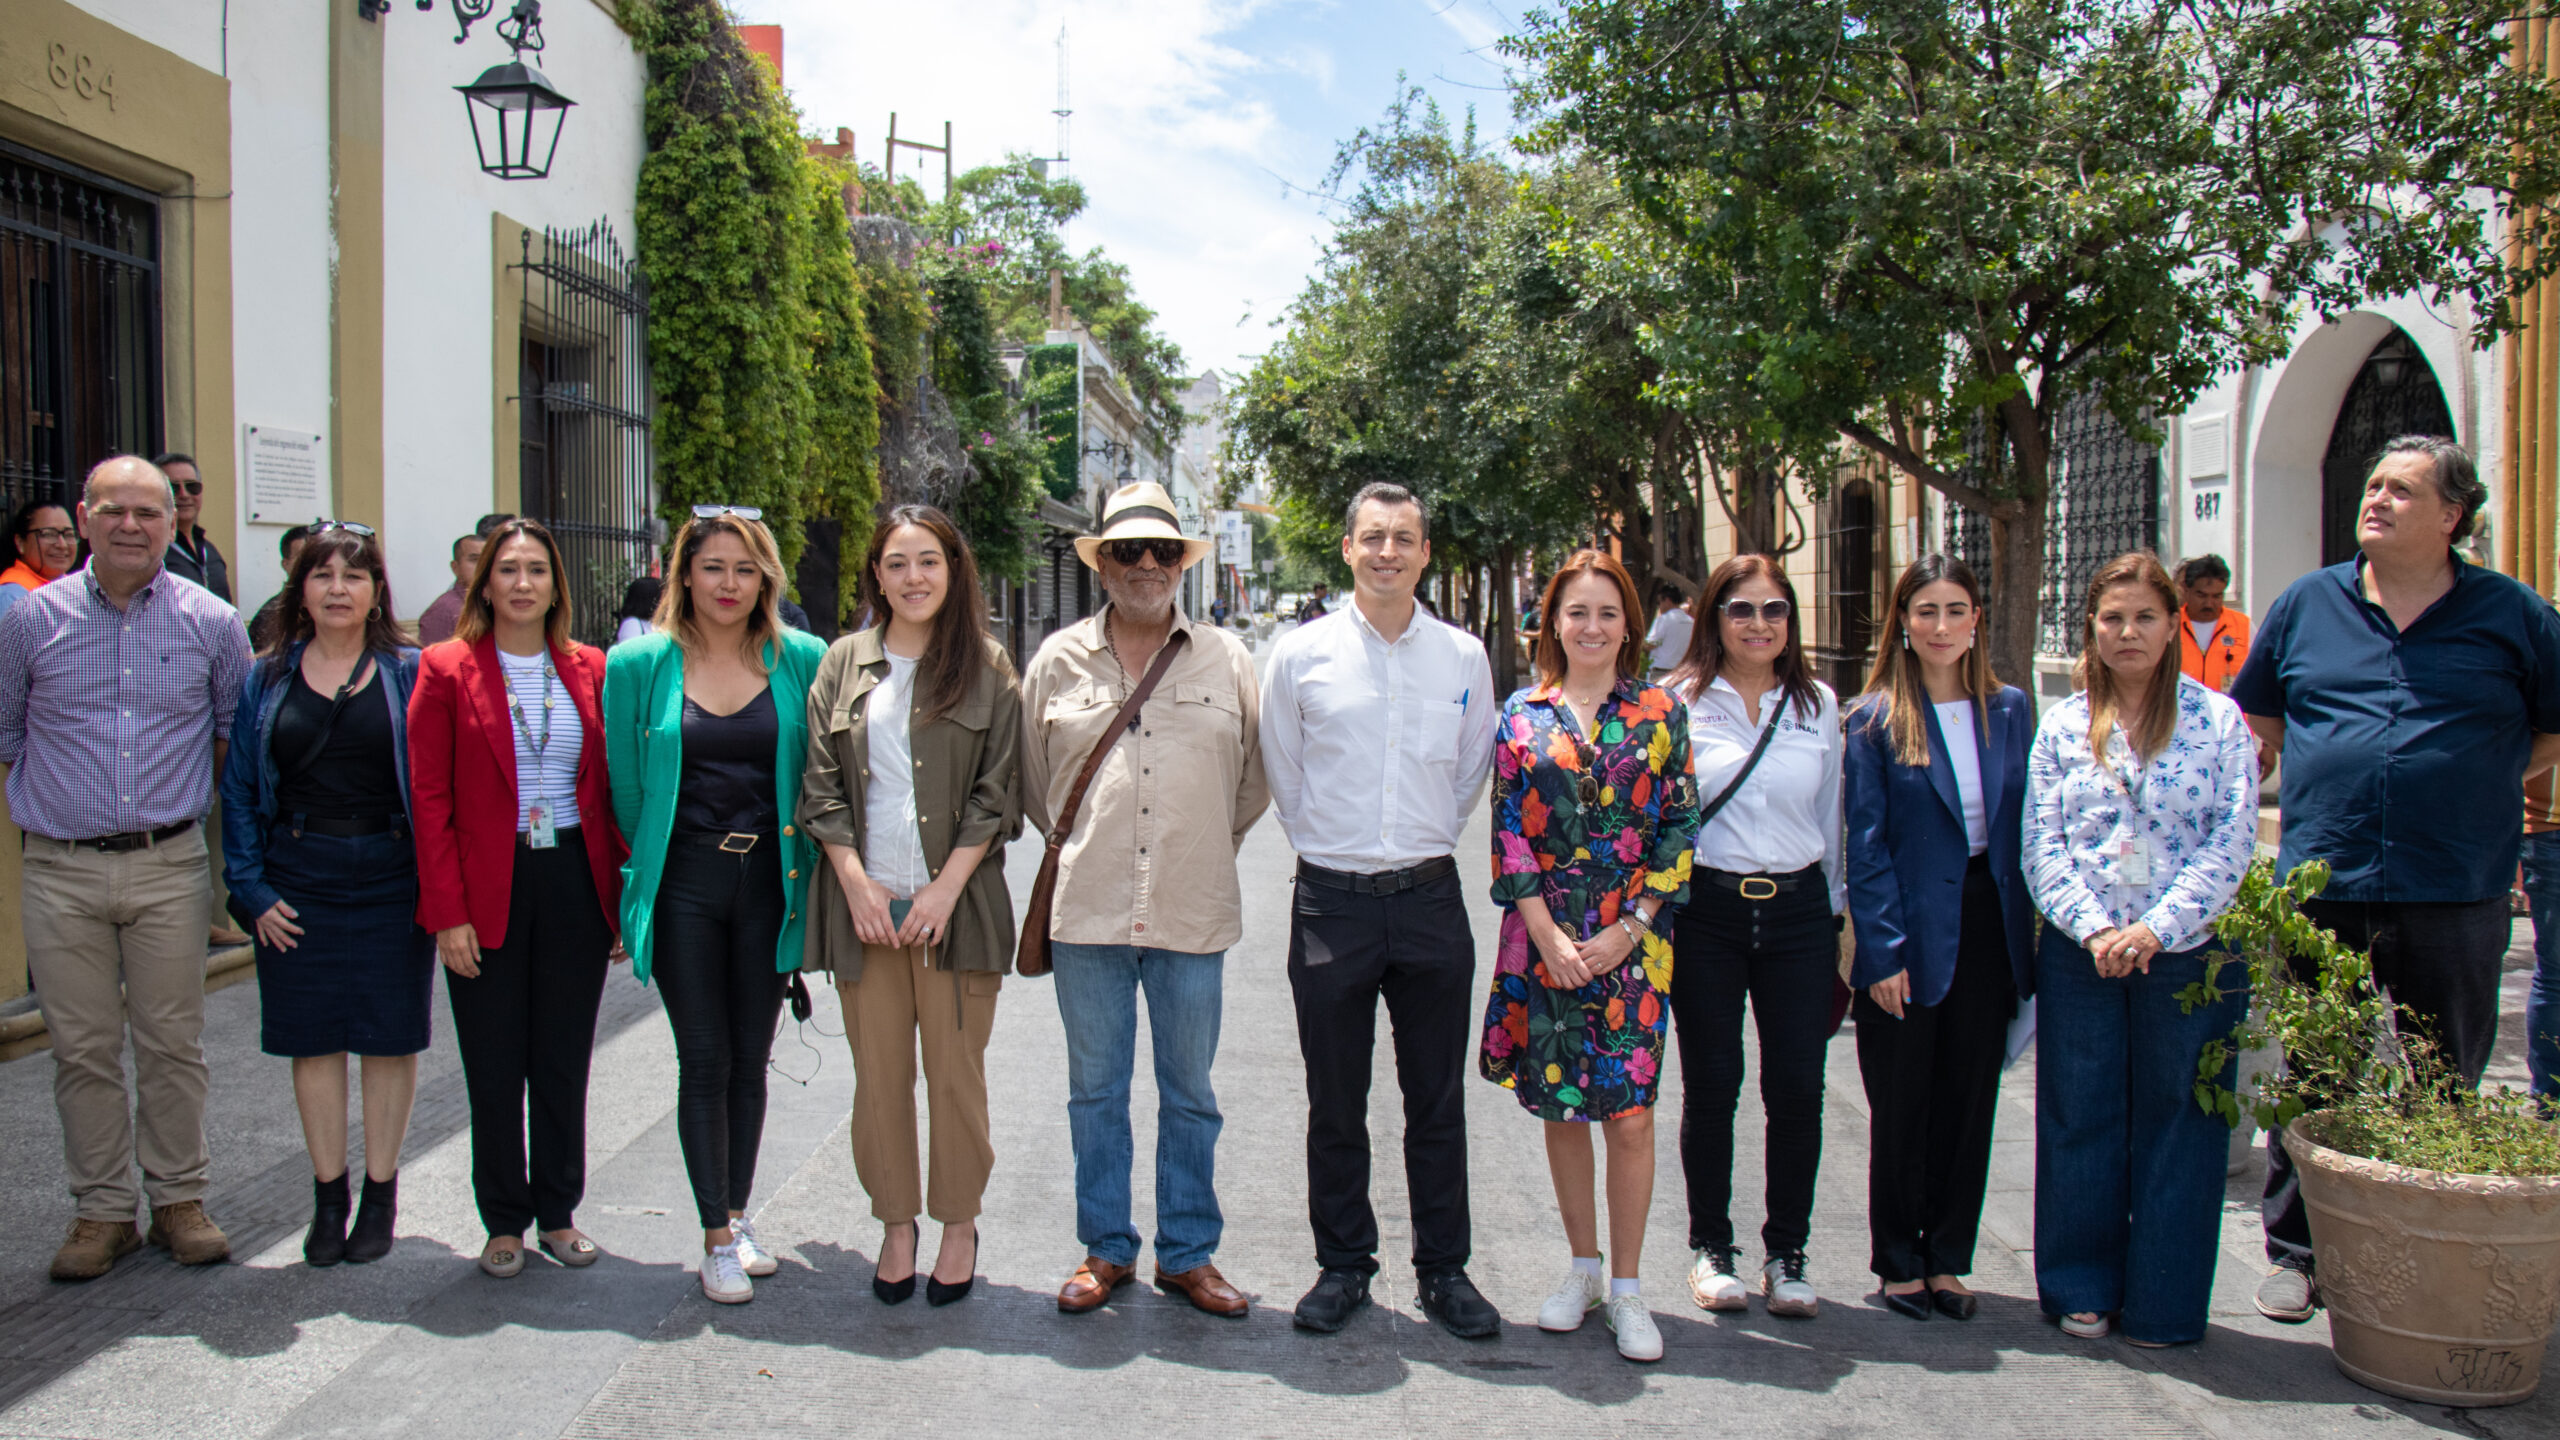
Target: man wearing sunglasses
[1377, 731]
[192, 553]
[1147, 896]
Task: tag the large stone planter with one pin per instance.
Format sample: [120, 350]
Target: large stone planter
[2440, 1287]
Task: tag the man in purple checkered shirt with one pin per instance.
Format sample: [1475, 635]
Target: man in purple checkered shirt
[116, 692]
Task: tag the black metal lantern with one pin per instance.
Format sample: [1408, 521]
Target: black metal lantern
[515, 120]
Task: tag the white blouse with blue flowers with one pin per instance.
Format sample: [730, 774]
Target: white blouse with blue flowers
[2197, 817]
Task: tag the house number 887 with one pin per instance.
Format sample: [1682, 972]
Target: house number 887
[2209, 505]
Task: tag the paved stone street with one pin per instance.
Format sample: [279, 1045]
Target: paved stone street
[423, 1344]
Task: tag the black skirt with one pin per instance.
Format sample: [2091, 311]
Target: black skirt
[360, 977]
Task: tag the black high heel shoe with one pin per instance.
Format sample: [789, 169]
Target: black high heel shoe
[893, 1292]
[936, 1293]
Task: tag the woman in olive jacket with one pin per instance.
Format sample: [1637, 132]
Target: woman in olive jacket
[914, 736]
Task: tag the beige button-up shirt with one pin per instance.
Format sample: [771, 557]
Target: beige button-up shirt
[1151, 861]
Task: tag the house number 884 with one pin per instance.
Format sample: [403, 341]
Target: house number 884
[79, 73]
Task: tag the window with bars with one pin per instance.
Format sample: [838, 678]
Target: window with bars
[2104, 500]
[80, 369]
[583, 404]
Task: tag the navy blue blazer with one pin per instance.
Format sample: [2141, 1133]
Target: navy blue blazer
[1907, 850]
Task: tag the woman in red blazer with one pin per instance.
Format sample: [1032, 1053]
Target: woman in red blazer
[519, 879]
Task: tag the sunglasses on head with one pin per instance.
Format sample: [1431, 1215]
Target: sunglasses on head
[1168, 553]
[1771, 612]
[316, 527]
[743, 512]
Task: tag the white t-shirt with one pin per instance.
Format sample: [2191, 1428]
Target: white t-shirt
[552, 773]
[1955, 722]
[2203, 631]
[1669, 638]
[893, 841]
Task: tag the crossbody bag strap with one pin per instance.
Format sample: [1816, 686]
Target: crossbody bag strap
[1767, 732]
[320, 742]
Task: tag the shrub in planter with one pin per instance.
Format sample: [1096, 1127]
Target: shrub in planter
[2435, 1209]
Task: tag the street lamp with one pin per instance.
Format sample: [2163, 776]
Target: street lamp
[523, 113]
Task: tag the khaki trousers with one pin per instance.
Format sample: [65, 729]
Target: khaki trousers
[112, 941]
[897, 1006]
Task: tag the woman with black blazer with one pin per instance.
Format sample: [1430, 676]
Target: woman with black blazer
[1935, 795]
[519, 871]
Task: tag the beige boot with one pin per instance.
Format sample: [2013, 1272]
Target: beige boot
[189, 1234]
[93, 1247]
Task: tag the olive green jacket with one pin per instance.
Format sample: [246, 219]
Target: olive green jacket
[965, 794]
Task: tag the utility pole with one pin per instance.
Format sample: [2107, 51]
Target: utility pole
[889, 157]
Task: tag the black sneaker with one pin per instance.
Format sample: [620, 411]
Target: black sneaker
[1449, 1297]
[1330, 1305]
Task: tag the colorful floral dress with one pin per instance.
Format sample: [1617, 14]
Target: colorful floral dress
[1596, 1052]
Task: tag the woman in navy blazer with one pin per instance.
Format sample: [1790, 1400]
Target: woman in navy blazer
[1934, 797]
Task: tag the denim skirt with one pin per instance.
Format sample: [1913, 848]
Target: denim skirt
[360, 977]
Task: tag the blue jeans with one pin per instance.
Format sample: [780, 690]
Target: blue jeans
[1098, 999]
[2542, 1006]
[2129, 1169]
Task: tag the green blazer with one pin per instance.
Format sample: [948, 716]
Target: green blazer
[644, 755]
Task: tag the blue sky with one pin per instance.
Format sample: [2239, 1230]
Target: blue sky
[1193, 118]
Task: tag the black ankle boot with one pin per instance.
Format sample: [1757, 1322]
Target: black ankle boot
[371, 1237]
[327, 1242]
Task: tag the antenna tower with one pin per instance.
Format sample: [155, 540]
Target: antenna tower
[1064, 109]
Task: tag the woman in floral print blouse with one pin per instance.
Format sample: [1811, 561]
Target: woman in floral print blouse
[2142, 814]
[1594, 812]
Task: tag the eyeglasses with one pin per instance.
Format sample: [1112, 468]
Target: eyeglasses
[191, 487]
[713, 512]
[350, 526]
[51, 532]
[1771, 612]
[1168, 553]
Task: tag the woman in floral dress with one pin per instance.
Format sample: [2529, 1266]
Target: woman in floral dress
[1594, 813]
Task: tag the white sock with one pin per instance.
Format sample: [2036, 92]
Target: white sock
[1587, 1265]
[1618, 1287]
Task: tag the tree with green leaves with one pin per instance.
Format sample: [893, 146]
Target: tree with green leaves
[1881, 219]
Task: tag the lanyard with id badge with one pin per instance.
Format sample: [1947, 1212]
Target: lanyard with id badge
[541, 830]
[2129, 849]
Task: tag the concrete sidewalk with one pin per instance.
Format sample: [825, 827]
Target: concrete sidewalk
[423, 1344]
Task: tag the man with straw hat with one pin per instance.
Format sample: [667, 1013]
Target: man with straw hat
[1146, 896]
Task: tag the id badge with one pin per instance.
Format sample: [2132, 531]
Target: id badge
[2133, 862]
[539, 832]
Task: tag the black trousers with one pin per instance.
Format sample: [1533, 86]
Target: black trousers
[1415, 949]
[526, 1026]
[2440, 964]
[711, 951]
[1782, 956]
[1933, 1081]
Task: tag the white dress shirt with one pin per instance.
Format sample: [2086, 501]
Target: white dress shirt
[1376, 750]
[890, 831]
[1964, 754]
[1669, 639]
[1787, 815]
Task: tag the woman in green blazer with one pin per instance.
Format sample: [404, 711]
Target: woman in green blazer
[705, 728]
[914, 730]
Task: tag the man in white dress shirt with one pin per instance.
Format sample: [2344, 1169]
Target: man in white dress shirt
[1377, 734]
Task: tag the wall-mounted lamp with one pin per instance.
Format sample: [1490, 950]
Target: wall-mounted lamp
[515, 112]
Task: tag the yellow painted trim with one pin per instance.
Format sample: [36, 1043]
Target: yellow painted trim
[506, 363]
[356, 324]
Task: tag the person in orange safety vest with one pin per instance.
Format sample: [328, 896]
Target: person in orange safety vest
[2214, 638]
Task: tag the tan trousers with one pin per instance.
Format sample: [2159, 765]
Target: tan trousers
[114, 940]
[897, 1005]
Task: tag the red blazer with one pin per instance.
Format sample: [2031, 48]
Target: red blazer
[462, 784]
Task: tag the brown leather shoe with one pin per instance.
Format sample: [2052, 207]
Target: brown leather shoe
[224, 937]
[1205, 1288]
[1092, 1284]
[189, 1234]
[92, 1247]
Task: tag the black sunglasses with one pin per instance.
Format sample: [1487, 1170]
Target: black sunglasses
[350, 526]
[743, 512]
[192, 487]
[1168, 553]
[1771, 612]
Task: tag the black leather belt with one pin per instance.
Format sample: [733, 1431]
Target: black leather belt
[561, 838]
[736, 842]
[1759, 887]
[132, 840]
[1385, 882]
[342, 826]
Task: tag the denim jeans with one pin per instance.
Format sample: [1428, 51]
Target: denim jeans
[2542, 1006]
[2129, 1169]
[1098, 989]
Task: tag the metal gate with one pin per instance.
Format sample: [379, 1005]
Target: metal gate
[587, 468]
[2394, 394]
[79, 324]
[2105, 500]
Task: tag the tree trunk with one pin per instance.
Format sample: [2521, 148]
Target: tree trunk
[1499, 645]
[2016, 583]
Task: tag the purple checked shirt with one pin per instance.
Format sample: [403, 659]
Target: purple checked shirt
[107, 716]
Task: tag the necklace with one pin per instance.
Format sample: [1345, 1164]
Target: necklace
[1111, 642]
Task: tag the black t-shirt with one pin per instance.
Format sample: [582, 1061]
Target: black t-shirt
[354, 776]
[727, 783]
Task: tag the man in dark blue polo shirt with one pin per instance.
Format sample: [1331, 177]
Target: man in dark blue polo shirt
[2410, 694]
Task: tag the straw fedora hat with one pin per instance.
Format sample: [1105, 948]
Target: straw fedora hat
[1141, 511]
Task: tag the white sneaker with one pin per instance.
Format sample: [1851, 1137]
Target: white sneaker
[1713, 1284]
[1782, 1280]
[724, 1279]
[752, 1256]
[1632, 1323]
[1578, 1296]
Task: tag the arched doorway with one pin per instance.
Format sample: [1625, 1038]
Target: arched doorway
[2395, 393]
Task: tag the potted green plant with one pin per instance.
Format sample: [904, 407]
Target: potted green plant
[2435, 1207]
